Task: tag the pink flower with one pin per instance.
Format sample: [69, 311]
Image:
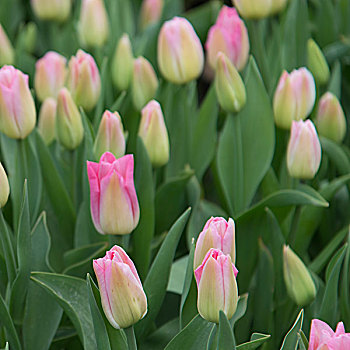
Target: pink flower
[114, 204]
[151, 12]
[122, 296]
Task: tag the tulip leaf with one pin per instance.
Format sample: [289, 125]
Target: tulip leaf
[178, 275]
[291, 340]
[256, 340]
[337, 155]
[334, 85]
[246, 135]
[344, 292]
[241, 309]
[226, 339]
[101, 102]
[71, 294]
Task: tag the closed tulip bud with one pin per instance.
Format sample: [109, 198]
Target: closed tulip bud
[304, 150]
[50, 75]
[84, 80]
[317, 63]
[4, 187]
[180, 52]
[144, 83]
[154, 134]
[151, 12]
[219, 234]
[228, 35]
[229, 86]
[277, 6]
[217, 286]
[69, 127]
[52, 10]
[330, 119]
[47, 120]
[110, 136]
[253, 9]
[114, 205]
[30, 37]
[299, 284]
[122, 64]
[7, 54]
[294, 97]
[93, 23]
[17, 109]
[123, 299]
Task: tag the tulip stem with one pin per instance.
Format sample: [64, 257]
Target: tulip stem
[130, 336]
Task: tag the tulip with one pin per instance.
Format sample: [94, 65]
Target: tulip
[219, 234]
[299, 284]
[4, 187]
[69, 127]
[294, 97]
[277, 6]
[330, 119]
[50, 75]
[122, 64]
[322, 337]
[110, 136]
[151, 12]
[217, 286]
[114, 205]
[93, 23]
[47, 120]
[228, 35]
[253, 9]
[84, 80]
[52, 10]
[317, 63]
[154, 134]
[304, 150]
[123, 299]
[180, 52]
[7, 54]
[17, 109]
[229, 86]
[144, 83]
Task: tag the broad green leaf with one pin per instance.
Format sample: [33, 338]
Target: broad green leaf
[241, 309]
[337, 155]
[257, 340]
[101, 102]
[118, 102]
[303, 342]
[334, 84]
[325, 13]
[226, 339]
[178, 275]
[291, 339]
[344, 292]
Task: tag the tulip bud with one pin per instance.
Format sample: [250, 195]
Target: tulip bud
[114, 205]
[330, 119]
[151, 12]
[69, 127]
[180, 52]
[317, 63]
[228, 35]
[229, 86]
[217, 286]
[110, 136]
[84, 81]
[122, 63]
[30, 36]
[17, 109]
[255, 9]
[294, 97]
[277, 6]
[154, 134]
[299, 284]
[51, 10]
[4, 187]
[144, 83]
[7, 54]
[304, 150]
[123, 299]
[50, 75]
[47, 120]
[93, 23]
[219, 234]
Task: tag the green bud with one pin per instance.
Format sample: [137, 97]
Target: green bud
[317, 63]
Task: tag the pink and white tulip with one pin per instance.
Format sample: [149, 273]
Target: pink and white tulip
[123, 299]
[52, 10]
[114, 205]
[47, 120]
[253, 9]
[7, 53]
[151, 12]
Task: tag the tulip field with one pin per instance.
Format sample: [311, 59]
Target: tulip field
[174, 174]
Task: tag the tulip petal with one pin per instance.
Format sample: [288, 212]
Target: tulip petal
[320, 333]
[92, 170]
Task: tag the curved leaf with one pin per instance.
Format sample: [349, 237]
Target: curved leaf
[290, 341]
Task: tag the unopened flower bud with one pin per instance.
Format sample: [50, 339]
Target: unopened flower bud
[277, 6]
[144, 82]
[122, 64]
[30, 36]
[69, 126]
[93, 23]
[317, 63]
[52, 10]
[4, 187]
[47, 120]
[299, 284]
[110, 136]
[7, 54]
[255, 9]
[154, 134]
[330, 119]
[229, 86]
[180, 52]
[151, 12]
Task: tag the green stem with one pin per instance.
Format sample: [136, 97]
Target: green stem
[130, 336]
[73, 176]
[296, 217]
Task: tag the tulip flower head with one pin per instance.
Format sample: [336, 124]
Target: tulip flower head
[151, 12]
[52, 10]
[4, 187]
[253, 9]
[317, 63]
[7, 54]
[277, 6]
[47, 120]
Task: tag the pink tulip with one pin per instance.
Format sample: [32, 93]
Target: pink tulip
[151, 12]
[228, 35]
[122, 296]
[114, 205]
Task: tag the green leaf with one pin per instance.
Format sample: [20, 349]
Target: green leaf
[177, 275]
[257, 340]
[226, 338]
[334, 84]
[240, 170]
[290, 341]
[241, 309]
[337, 155]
